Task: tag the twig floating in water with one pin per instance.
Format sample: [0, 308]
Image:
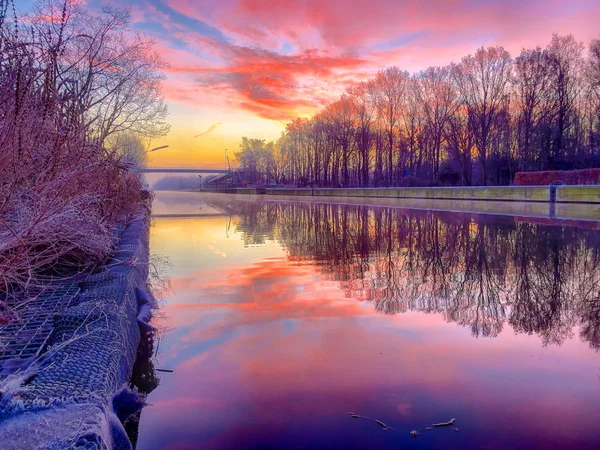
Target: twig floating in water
[356, 416]
[165, 370]
[445, 424]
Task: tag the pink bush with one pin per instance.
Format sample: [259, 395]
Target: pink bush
[584, 176]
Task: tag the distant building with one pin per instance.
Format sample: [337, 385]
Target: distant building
[220, 181]
[231, 179]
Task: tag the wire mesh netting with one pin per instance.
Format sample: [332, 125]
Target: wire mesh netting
[27, 334]
[68, 353]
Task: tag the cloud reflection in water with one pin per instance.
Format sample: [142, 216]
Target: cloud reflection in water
[350, 308]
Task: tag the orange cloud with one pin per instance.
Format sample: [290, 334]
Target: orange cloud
[269, 84]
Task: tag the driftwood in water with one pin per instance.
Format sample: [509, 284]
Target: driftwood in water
[356, 416]
[445, 424]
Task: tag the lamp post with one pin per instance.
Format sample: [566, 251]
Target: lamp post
[227, 161]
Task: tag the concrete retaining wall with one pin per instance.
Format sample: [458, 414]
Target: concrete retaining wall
[578, 194]
[247, 191]
[567, 194]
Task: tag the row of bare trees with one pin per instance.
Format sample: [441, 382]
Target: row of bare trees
[478, 121]
[78, 93]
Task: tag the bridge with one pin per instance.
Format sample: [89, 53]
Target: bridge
[176, 170]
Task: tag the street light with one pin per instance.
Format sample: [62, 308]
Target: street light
[227, 161]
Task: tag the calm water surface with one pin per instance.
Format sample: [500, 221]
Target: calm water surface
[286, 316]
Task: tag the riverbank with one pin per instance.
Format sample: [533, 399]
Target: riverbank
[74, 389]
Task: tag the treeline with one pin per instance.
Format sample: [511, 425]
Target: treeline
[477, 271]
[476, 122]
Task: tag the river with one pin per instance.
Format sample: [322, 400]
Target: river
[285, 317]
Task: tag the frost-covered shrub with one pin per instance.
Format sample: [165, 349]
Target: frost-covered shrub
[61, 191]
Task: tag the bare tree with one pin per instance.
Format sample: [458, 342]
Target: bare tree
[412, 124]
[482, 80]
[340, 118]
[532, 89]
[362, 98]
[461, 143]
[130, 148]
[439, 99]
[593, 77]
[566, 66]
[390, 89]
[112, 76]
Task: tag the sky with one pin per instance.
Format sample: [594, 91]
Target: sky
[247, 67]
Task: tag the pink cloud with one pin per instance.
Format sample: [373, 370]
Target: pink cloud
[361, 23]
[269, 66]
[264, 82]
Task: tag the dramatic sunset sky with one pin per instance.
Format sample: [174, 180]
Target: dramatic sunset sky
[245, 67]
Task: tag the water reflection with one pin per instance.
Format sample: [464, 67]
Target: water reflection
[286, 316]
[476, 270]
[143, 380]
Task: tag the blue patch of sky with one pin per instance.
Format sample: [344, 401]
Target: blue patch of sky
[24, 5]
[188, 22]
[286, 48]
[158, 30]
[155, 28]
[184, 23]
[399, 41]
[290, 326]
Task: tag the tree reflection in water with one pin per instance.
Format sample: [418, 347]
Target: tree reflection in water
[476, 270]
